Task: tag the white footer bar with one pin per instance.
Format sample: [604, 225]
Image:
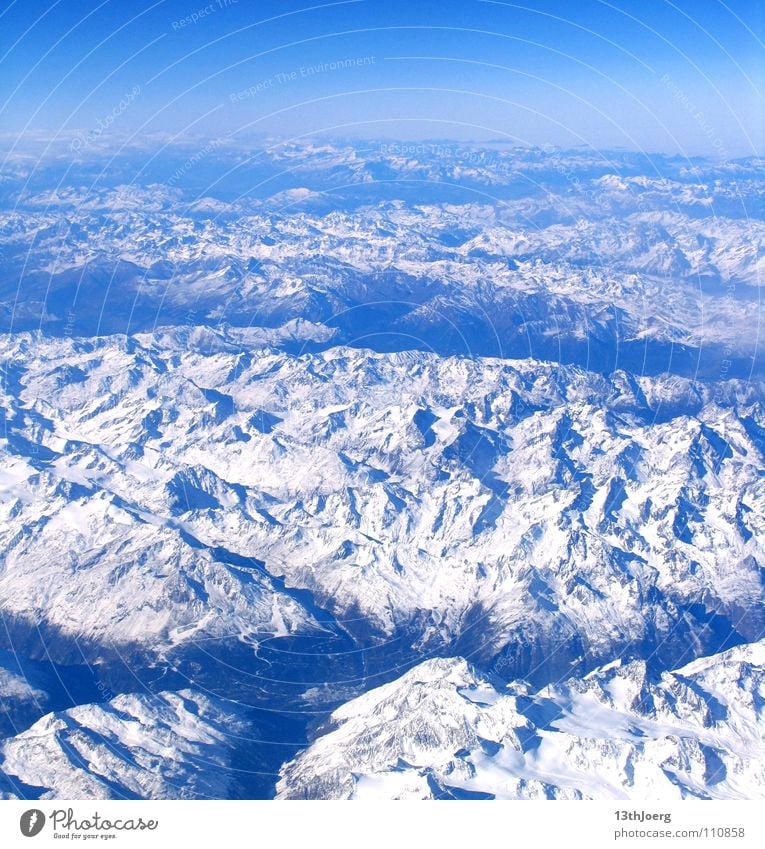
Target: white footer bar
[398, 825]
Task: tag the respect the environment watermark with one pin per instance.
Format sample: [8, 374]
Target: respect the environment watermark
[193, 18]
[303, 72]
[698, 115]
[193, 160]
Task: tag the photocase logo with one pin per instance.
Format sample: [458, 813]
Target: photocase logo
[32, 822]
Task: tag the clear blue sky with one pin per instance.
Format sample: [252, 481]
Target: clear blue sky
[660, 76]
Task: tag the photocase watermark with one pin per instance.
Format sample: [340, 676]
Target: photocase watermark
[66, 821]
[697, 114]
[200, 14]
[303, 72]
[85, 140]
[65, 824]
[32, 822]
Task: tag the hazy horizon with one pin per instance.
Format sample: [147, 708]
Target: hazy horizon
[672, 78]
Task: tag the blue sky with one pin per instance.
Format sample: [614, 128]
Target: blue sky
[681, 77]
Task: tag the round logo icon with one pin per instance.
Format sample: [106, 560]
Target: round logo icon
[32, 822]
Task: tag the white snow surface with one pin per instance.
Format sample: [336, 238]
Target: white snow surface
[169, 745]
[443, 730]
[503, 502]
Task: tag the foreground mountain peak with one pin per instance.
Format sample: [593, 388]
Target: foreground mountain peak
[442, 730]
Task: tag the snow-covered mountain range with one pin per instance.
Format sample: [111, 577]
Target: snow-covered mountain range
[424, 475]
[135, 746]
[607, 260]
[444, 731]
